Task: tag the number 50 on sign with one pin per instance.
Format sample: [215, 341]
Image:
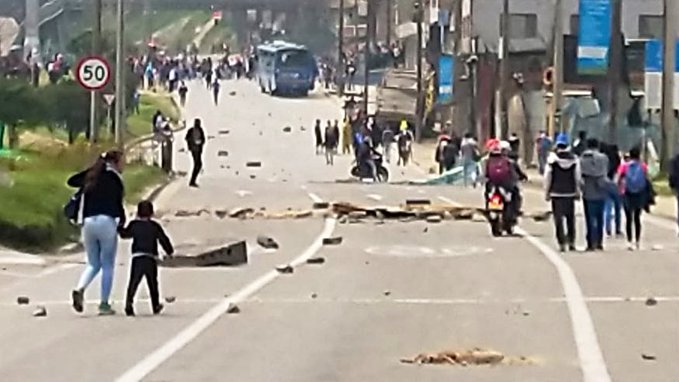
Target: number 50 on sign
[93, 73]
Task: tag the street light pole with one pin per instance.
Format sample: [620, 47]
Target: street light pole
[555, 124]
[96, 49]
[504, 72]
[418, 16]
[120, 81]
[340, 51]
[668, 120]
[366, 57]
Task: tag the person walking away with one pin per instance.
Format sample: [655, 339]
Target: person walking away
[387, 143]
[318, 135]
[614, 200]
[469, 152]
[347, 136]
[330, 144]
[580, 144]
[438, 152]
[674, 182]
[596, 188]
[449, 156]
[215, 91]
[183, 91]
[544, 147]
[172, 78]
[101, 205]
[136, 99]
[404, 141]
[146, 234]
[336, 132]
[195, 140]
[562, 181]
[633, 183]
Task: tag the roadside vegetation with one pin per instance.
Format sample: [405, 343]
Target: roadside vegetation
[45, 144]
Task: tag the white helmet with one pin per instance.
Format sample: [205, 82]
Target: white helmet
[504, 145]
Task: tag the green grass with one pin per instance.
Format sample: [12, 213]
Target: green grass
[218, 34]
[31, 214]
[140, 124]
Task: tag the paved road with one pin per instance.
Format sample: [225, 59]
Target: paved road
[389, 291]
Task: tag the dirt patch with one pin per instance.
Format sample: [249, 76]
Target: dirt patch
[473, 357]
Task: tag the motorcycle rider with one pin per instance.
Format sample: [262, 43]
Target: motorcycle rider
[364, 156]
[501, 172]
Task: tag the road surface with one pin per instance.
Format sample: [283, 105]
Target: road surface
[389, 291]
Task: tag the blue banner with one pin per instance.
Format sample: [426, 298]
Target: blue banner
[445, 78]
[654, 57]
[594, 38]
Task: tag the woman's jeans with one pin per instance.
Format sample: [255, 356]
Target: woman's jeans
[613, 206]
[100, 237]
[469, 171]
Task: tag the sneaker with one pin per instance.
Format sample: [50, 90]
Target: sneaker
[77, 296]
[158, 308]
[630, 246]
[106, 310]
[129, 311]
[599, 247]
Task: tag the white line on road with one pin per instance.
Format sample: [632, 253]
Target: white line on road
[374, 197]
[162, 354]
[592, 361]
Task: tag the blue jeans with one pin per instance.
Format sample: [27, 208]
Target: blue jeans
[469, 170]
[594, 216]
[100, 237]
[613, 206]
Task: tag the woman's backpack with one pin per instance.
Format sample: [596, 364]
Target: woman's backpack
[635, 178]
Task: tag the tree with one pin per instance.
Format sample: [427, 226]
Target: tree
[67, 105]
[19, 104]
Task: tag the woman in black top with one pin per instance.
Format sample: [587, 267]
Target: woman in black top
[102, 213]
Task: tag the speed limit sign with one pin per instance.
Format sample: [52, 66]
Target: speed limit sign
[93, 72]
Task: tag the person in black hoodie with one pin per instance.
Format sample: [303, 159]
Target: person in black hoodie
[195, 140]
[614, 201]
[146, 234]
[562, 181]
[102, 212]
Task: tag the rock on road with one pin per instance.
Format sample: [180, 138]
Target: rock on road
[388, 291]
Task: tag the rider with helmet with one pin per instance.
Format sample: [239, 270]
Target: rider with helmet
[502, 172]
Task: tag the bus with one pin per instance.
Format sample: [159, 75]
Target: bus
[285, 68]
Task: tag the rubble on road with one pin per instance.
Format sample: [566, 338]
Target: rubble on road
[23, 300]
[185, 213]
[267, 242]
[240, 212]
[232, 253]
[651, 301]
[316, 260]
[320, 205]
[473, 357]
[170, 299]
[222, 153]
[286, 269]
[233, 309]
[223, 132]
[253, 164]
[648, 357]
[332, 240]
[232, 93]
[287, 129]
[40, 311]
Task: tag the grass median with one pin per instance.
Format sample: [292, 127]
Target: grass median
[33, 186]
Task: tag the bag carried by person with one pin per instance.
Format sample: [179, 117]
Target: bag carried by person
[635, 178]
[73, 210]
[499, 170]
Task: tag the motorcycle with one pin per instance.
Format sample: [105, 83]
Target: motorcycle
[499, 211]
[362, 171]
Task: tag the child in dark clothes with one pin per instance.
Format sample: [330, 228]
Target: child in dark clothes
[146, 234]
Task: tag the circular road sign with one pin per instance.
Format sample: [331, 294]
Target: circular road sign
[93, 72]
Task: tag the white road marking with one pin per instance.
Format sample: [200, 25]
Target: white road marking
[418, 252]
[162, 354]
[374, 197]
[22, 260]
[314, 197]
[243, 193]
[592, 361]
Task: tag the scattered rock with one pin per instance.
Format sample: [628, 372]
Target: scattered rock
[233, 309]
[232, 93]
[526, 313]
[314, 295]
[387, 293]
[237, 173]
[222, 153]
[434, 219]
[320, 205]
[287, 129]
[23, 300]
[464, 215]
[267, 242]
[651, 301]
[221, 213]
[285, 269]
[542, 217]
[302, 128]
[648, 357]
[337, 240]
[170, 299]
[182, 150]
[425, 230]
[210, 137]
[240, 212]
[343, 219]
[40, 311]
[253, 164]
[253, 176]
[367, 263]
[316, 260]
[418, 202]
[223, 132]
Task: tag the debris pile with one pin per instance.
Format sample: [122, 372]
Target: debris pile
[473, 357]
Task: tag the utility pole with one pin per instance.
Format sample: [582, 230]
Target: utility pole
[669, 48]
[340, 51]
[504, 71]
[555, 123]
[418, 16]
[614, 70]
[366, 56]
[120, 74]
[96, 50]
[389, 11]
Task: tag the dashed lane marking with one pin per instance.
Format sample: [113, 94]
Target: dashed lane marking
[591, 358]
